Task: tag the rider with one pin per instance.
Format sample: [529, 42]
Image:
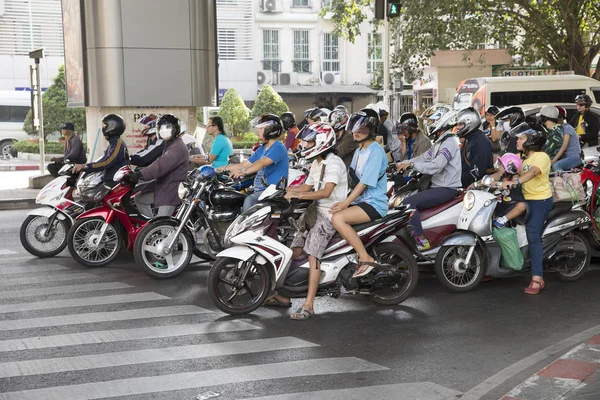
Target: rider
[116, 154]
[572, 153]
[288, 120]
[443, 162]
[73, 152]
[510, 117]
[586, 123]
[154, 146]
[368, 200]
[514, 204]
[269, 162]
[327, 184]
[338, 119]
[221, 148]
[556, 143]
[413, 141]
[476, 152]
[169, 170]
[493, 130]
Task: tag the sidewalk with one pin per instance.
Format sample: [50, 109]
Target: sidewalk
[574, 376]
[17, 164]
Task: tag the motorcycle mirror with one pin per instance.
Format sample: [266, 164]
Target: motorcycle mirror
[282, 184]
[475, 172]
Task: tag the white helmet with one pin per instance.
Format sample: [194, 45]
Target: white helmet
[322, 134]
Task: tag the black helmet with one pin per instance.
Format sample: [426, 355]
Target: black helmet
[168, 127]
[514, 114]
[536, 135]
[584, 98]
[113, 126]
[409, 119]
[467, 122]
[364, 117]
[288, 120]
[271, 124]
[492, 110]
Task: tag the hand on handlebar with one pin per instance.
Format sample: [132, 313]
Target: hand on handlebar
[404, 166]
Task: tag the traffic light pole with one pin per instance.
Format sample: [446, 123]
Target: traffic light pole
[386, 55]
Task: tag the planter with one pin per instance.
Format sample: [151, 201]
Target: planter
[36, 157]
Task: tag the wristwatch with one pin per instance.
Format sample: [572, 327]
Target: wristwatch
[518, 182]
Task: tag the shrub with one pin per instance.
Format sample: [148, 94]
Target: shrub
[26, 146]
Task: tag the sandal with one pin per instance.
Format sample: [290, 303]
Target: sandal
[275, 302]
[370, 266]
[539, 285]
[301, 314]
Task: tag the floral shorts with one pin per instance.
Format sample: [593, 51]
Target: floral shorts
[314, 241]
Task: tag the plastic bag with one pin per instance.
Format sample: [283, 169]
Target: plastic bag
[511, 253]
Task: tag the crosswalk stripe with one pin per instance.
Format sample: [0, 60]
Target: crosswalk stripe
[6, 252]
[71, 276]
[117, 335]
[108, 316]
[31, 268]
[82, 302]
[136, 357]
[88, 287]
[189, 380]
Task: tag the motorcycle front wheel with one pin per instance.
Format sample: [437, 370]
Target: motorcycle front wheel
[41, 239]
[155, 263]
[453, 273]
[85, 244]
[234, 294]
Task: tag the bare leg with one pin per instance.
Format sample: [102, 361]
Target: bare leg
[314, 275]
[343, 221]
[517, 210]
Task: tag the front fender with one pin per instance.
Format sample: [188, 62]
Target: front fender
[48, 212]
[462, 238]
[98, 212]
[242, 253]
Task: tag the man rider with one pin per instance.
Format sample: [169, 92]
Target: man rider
[73, 152]
[476, 151]
[345, 142]
[289, 125]
[585, 122]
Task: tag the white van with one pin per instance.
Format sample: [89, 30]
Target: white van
[14, 106]
[509, 91]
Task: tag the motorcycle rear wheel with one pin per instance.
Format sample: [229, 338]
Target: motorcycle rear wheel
[85, 250]
[405, 262]
[455, 277]
[579, 270]
[33, 227]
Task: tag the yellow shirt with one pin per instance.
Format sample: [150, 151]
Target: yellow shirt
[579, 129]
[537, 188]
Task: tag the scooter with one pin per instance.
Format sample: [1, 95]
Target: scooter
[244, 275]
[590, 178]
[470, 253]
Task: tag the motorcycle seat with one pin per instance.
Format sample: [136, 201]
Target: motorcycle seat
[366, 225]
[430, 212]
[559, 207]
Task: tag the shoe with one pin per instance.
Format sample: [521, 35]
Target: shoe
[423, 245]
[539, 285]
[500, 222]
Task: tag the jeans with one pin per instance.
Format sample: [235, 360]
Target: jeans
[566, 163]
[251, 200]
[537, 212]
[427, 199]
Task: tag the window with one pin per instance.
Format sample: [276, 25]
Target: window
[271, 60]
[227, 44]
[331, 55]
[503, 99]
[301, 3]
[327, 3]
[375, 53]
[13, 113]
[301, 59]
[596, 94]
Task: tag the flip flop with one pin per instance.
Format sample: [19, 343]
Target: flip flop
[301, 314]
[275, 302]
[371, 266]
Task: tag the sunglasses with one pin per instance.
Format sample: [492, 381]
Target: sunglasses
[581, 104]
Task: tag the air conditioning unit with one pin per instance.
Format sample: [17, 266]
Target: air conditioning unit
[264, 78]
[331, 78]
[288, 79]
[271, 6]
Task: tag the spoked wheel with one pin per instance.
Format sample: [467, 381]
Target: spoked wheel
[234, 293]
[40, 238]
[574, 260]
[87, 247]
[402, 279]
[453, 273]
[150, 252]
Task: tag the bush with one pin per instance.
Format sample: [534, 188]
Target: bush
[25, 146]
[248, 137]
[268, 102]
[244, 144]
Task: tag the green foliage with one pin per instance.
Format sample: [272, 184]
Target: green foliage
[268, 102]
[25, 146]
[199, 115]
[235, 114]
[243, 144]
[249, 137]
[563, 34]
[56, 113]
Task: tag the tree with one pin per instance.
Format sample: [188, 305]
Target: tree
[268, 102]
[562, 34]
[56, 112]
[234, 112]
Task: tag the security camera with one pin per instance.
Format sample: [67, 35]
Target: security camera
[37, 53]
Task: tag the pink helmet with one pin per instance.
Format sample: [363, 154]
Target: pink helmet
[511, 163]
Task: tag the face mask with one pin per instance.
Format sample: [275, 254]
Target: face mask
[506, 126]
[165, 133]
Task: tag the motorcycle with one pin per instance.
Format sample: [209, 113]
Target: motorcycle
[470, 253]
[44, 231]
[590, 178]
[258, 263]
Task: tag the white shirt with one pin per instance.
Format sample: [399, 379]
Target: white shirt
[335, 172]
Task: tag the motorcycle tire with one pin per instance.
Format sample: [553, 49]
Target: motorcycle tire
[155, 265]
[62, 225]
[92, 226]
[454, 280]
[411, 269]
[219, 290]
[579, 272]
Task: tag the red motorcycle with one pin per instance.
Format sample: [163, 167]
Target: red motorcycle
[590, 178]
[98, 235]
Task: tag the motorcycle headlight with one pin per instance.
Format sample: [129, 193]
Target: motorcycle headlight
[182, 191]
[245, 222]
[469, 200]
[589, 189]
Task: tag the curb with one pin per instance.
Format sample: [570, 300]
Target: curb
[17, 204]
[19, 168]
[571, 372]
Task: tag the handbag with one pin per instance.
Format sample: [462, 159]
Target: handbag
[309, 218]
[567, 187]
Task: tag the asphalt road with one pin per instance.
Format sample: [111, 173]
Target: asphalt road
[68, 331]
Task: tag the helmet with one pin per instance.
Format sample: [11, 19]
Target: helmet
[467, 122]
[562, 112]
[322, 134]
[341, 107]
[536, 135]
[401, 128]
[338, 120]
[373, 106]
[409, 119]
[113, 126]
[308, 111]
[168, 127]
[364, 117]
[492, 110]
[445, 123]
[150, 122]
[514, 114]
[288, 120]
[548, 112]
[319, 113]
[383, 108]
[271, 124]
[511, 163]
[584, 98]
[430, 121]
